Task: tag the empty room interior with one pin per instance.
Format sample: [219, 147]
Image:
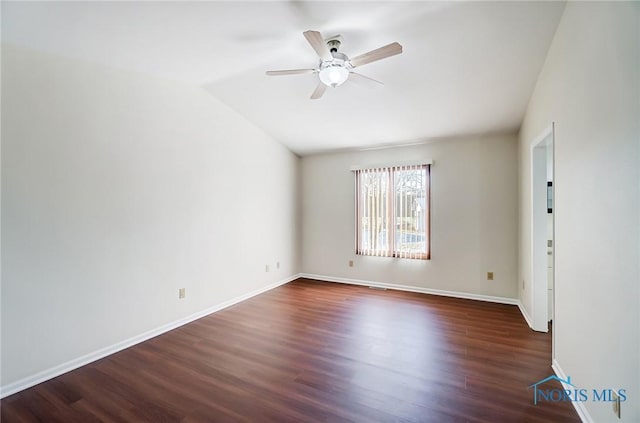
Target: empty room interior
[298, 211]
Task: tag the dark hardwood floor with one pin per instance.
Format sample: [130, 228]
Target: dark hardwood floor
[316, 352]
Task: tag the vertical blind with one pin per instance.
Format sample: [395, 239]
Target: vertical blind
[392, 210]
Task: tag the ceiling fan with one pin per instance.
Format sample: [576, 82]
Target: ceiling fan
[335, 67]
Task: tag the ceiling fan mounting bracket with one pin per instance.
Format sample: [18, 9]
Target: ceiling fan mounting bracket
[333, 45]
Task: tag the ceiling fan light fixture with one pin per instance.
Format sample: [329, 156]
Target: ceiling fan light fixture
[333, 75]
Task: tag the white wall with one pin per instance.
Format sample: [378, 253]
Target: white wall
[118, 189]
[473, 217]
[589, 87]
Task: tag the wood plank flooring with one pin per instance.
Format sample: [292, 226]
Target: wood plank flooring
[316, 352]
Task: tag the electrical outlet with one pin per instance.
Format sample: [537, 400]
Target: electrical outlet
[489, 276]
[350, 263]
[616, 403]
[181, 293]
[523, 284]
[266, 268]
[277, 265]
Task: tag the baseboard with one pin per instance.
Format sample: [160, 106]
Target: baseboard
[455, 294]
[47, 374]
[524, 313]
[580, 407]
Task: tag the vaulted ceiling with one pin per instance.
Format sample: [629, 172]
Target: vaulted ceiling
[467, 67]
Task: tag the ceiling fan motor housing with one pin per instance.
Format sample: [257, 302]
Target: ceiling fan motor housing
[338, 58]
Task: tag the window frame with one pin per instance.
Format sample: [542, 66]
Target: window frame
[391, 211]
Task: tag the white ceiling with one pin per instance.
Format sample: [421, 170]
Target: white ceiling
[467, 67]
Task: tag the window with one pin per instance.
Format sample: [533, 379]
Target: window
[392, 210]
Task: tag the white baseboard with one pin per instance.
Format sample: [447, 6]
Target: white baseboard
[47, 374]
[580, 407]
[455, 294]
[524, 313]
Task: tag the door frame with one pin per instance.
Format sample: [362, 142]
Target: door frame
[538, 187]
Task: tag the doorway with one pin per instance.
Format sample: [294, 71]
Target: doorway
[542, 230]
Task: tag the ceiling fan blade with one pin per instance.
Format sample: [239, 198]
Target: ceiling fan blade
[290, 72]
[319, 91]
[377, 54]
[358, 77]
[317, 42]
